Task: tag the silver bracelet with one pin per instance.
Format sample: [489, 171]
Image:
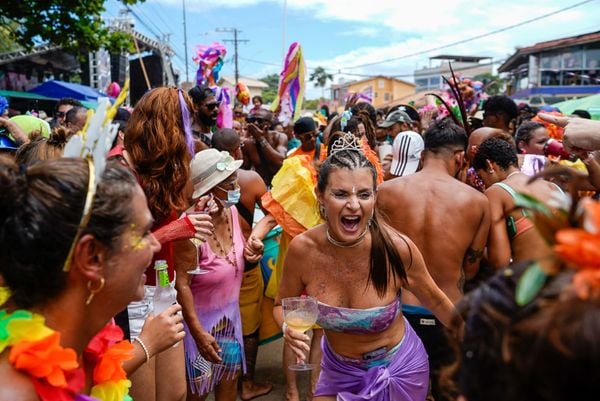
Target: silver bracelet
[139, 341]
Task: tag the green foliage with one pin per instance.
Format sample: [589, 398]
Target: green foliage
[312, 104]
[73, 24]
[493, 83]
[320, 77]
[269, 93]
[530, 283]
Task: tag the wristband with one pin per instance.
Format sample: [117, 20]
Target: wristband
[263, 142]
[139, 341]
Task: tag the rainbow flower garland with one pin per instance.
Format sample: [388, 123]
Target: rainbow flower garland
[55, 372]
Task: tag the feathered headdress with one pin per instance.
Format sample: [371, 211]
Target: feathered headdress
[93, 143]
[291, 85]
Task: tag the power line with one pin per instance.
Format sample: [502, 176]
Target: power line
[235, 42]
[474, 37]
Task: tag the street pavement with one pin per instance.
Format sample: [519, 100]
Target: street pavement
[269, 368]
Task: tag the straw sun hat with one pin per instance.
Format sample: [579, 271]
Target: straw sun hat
[209, 168]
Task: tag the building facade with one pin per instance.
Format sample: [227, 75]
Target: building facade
[557, 69]
[380, 89]
[429, 78]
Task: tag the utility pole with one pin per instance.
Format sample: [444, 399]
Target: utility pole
[187, 75]
[235, 42]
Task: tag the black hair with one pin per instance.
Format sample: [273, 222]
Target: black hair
[502, 105]
[546, 350]
[525, 131]
[361, 116]
[495, 150]
[69, 101]
[259, 98]
[365, 108]
[385, 259]
[582, 113]
[224, 139]
[198, 94]
[444, 135]
[40, 210]
[71, 114]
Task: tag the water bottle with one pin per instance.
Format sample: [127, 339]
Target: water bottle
[165, 294]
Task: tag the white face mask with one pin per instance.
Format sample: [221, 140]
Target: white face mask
[233, 197]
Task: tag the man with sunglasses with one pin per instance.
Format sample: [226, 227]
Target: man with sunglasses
[305, 130]
[205, 118]
[264, 150]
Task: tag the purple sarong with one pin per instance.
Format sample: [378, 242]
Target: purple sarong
[405, 378]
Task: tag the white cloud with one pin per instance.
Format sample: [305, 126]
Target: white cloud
[402, 28]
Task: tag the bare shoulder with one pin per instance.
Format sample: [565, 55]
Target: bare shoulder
[15, 386]
[281, 138]
[391, 186]
[251, 178]
[304, 241]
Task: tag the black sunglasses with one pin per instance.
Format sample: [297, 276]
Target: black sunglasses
[257, 120]
[212, 106]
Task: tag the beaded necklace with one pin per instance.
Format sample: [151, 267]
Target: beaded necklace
[55, 371]
[221, 251]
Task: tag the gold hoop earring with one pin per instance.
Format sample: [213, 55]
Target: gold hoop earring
[93, 291]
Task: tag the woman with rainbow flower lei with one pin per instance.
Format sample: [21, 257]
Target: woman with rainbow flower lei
[76, 240]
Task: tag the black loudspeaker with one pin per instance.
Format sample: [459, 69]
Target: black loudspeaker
[137, 83]
[118, 68]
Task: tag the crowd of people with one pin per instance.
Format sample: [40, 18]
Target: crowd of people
[446, 253]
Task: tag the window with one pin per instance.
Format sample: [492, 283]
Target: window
[380, 84]
[386, 97]
[592, 65]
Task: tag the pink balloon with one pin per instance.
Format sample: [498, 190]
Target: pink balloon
[113, 89]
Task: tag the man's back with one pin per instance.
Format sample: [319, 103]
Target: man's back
[447, 220]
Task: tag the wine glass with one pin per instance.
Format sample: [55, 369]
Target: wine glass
[300, 314]
[198, 270]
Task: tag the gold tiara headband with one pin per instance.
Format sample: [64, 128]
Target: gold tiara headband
[346, 142]
[93, 143]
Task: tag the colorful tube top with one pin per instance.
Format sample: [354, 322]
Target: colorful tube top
[358, 321]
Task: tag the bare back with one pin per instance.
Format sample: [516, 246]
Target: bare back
[446, 219]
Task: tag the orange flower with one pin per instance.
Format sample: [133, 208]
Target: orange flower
[587, 284]
[44, 359]
[110, 366]
[578, 247]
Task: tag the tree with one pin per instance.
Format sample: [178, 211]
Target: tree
[320, 77]
[269, 93]
[73, 24]
[493, 84]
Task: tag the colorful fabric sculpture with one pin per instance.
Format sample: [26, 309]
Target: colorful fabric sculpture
[210, 60]
[288, 102]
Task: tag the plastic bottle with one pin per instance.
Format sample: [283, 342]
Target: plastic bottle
[164, 295]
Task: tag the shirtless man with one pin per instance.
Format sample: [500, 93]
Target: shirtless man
[252, 188]
[264, 150]
[447, 220]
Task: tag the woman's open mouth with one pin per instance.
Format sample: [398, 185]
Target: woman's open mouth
[350, 223]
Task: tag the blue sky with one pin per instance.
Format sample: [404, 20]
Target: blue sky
[342, 34]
